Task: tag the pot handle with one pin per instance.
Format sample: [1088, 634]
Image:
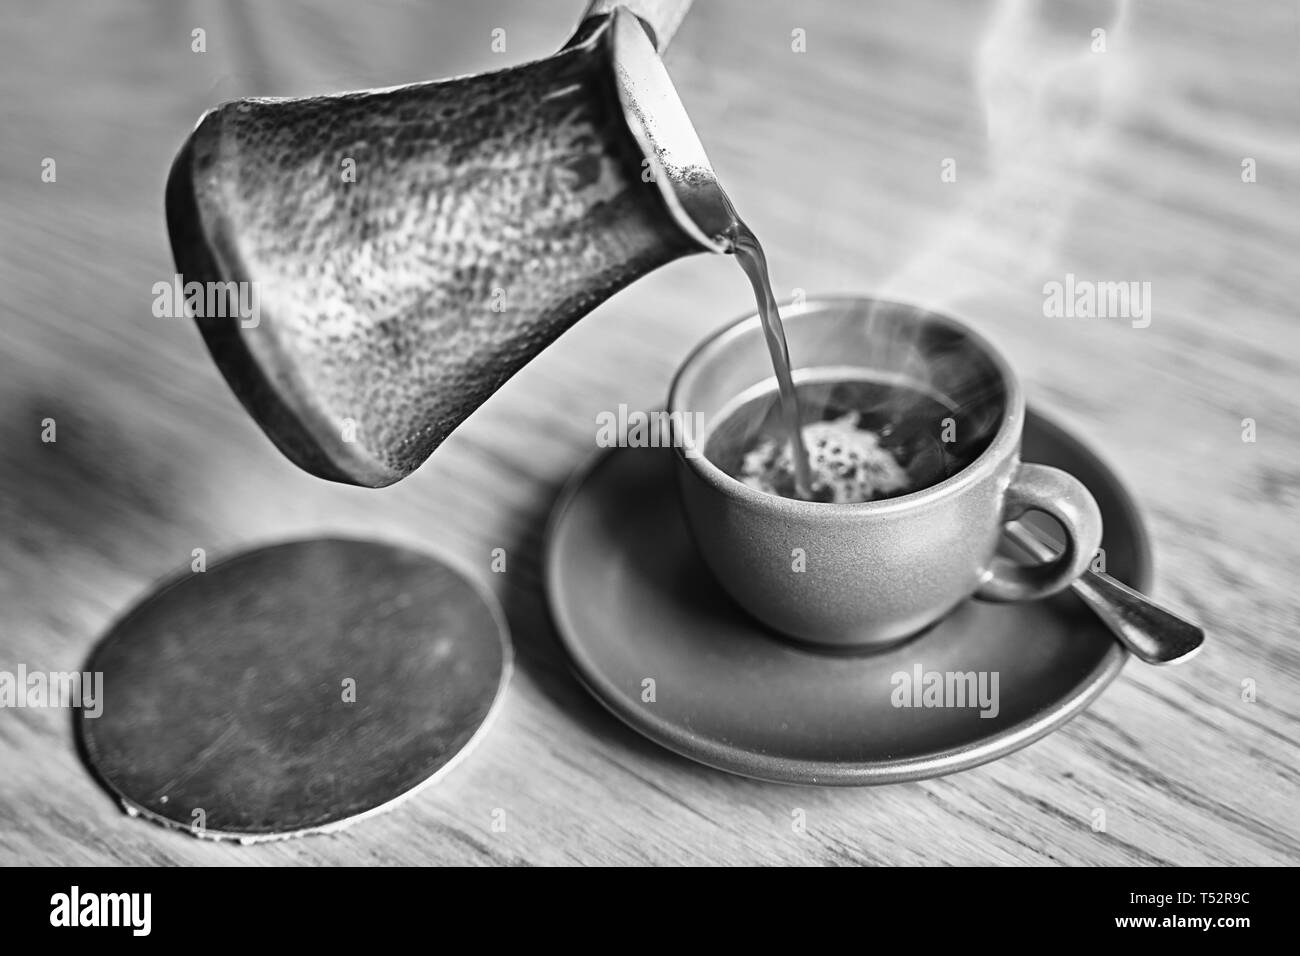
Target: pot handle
[661, 17]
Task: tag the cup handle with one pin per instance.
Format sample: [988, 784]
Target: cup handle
[1064, 497]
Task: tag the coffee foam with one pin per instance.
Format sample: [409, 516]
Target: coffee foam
[847, 464]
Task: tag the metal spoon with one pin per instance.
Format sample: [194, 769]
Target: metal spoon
[1154, 634]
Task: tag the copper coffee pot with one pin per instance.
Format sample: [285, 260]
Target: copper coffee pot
[483, 216]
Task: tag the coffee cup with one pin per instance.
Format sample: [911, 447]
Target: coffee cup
[872, 573]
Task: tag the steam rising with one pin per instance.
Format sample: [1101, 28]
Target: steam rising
[1052, 77]
[1050, 101]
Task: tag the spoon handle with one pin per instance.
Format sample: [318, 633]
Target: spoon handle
[1154, 634]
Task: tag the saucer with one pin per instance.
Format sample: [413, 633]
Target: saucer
[656, 640]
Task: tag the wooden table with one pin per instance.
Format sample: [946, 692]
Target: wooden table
[1117, 165]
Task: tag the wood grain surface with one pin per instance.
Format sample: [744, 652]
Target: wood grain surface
[1118, 165]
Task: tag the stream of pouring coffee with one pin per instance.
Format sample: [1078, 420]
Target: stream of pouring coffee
[749, 254]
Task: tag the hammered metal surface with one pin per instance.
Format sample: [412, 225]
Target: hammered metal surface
[487, 215]
[293, 688]
[633, 600]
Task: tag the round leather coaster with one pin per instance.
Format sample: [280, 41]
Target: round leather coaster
[294, 689]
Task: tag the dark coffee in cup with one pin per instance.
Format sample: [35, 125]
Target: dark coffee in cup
[869, 436]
